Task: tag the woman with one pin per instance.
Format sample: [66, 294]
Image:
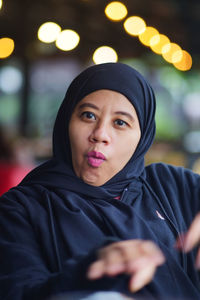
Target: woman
[93, 218]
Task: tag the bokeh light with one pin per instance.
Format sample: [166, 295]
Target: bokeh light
[157, 43]
[7, 46]
[134, 25]
[67, 40]
[1, 3]
[185, 63]
[11, 80]
[191, 141]
[105, 54]
[147, 35]
[191, 107]
[48, 32]
[116, 11]
[177, 56]
[169, 52]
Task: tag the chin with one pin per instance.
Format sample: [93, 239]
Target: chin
[92, 180]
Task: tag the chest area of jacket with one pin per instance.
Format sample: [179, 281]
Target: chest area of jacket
[79, 230]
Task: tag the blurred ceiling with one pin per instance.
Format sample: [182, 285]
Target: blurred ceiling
[20, 20]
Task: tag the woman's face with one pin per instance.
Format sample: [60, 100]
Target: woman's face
[104, 132]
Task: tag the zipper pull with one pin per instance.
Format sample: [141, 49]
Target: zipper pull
[123, 197]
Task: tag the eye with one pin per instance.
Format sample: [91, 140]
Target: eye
[88, 115]
[121, 123]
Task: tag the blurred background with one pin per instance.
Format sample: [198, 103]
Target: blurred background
[45, 44]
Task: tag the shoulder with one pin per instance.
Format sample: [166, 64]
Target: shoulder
[178, 186]
[172, 173]
[21, 197]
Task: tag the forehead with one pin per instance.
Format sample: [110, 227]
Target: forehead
[107, 98]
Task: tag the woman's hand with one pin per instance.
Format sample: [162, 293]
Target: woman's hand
[190, 239]
[138, 258]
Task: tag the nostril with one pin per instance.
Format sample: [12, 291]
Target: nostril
[93, 139]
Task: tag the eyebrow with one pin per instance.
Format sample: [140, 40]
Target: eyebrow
[125, 114]
[88, 105]
[83, 105]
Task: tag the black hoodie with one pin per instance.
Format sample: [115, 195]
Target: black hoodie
[52, 224]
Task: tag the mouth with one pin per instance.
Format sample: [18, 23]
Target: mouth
[95, 159]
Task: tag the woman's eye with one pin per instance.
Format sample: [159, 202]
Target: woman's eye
[120, 123]
[88, 115]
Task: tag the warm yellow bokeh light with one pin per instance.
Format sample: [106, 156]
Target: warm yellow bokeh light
[48, 32]
[157, 43]
[67, 40]
[116, 11]
[177, 56]
[169, 51]
[1, 3]
[7, 46]
[105, 54]
[147, 35]
[134, 25]
[185, 63]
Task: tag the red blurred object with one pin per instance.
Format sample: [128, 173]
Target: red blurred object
[15, 160]
[11, 175]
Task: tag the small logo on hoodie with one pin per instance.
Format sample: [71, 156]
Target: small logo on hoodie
[159, 215]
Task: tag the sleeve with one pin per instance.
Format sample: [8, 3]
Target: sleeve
[187, 184]
[178, 187]
[23, 271]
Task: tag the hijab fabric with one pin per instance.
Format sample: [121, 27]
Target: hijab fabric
[58, 171]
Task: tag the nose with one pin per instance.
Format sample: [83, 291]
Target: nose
[100, 134]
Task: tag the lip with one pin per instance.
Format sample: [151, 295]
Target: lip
[95, 159]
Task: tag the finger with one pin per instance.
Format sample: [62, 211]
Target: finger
[110, 263]
[152, 251]
[142, 277]
[113, 262]
[179, 241]
[96, 270]
[149, 253]
[197, 263]
[132, 255]
[190, 239]
[117, 256]
[144, 261]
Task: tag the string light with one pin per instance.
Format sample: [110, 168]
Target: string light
[7, 46]
[105, 54]
[146, 36]
[157, 43]
[67, 40]
[185, 63]
[116, 11]
[134, 25]
[149, 36]
[48, 32]
[177, 56]
[169, 50]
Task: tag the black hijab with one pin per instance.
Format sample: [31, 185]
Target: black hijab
[58, 172]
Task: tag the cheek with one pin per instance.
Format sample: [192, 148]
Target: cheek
[127, 147]
[76, 145]
[77, 140]
[74, 139]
